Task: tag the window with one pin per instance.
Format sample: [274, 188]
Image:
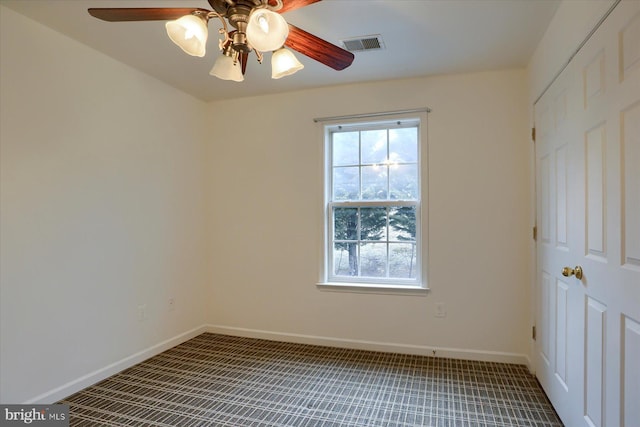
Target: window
[373, 204]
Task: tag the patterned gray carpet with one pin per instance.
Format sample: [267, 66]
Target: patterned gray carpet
[219, 380]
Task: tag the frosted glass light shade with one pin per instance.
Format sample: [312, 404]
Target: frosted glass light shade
[190, 33]
[225, 69]
[266, 30]
[284, 63]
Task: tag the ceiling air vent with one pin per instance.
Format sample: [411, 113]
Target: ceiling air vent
[358, 44]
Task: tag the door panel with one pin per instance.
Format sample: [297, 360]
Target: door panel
[545, 324]
[630, 47]
[594, 154]
[588, 210]
[630, 374]
[594, 363]
[631, 185]
[545, 195]
[562, 313]
[561, 197]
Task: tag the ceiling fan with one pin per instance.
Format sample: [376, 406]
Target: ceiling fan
[258, 26]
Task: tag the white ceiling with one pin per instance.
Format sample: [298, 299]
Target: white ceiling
[422, 37]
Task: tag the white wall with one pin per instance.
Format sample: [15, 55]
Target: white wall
[267, 197]
[103, 207]
[113, 193]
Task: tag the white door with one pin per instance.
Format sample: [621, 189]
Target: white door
[588, 212]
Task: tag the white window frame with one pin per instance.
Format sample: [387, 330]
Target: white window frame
[329, 281]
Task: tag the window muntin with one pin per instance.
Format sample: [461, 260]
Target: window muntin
[373, 203]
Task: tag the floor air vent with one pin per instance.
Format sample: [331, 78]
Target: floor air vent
[359, 44]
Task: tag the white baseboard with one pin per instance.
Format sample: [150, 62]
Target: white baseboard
[94, 377]
[78, 384]
[453, 353]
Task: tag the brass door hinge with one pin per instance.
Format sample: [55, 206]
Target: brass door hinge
[533, 134]
[533, 332]
[535, 233]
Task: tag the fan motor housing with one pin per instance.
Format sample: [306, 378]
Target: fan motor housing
[238, 16]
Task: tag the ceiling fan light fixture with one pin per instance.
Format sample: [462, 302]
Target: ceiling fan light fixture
[284, 63]
[189, 33]
[256, 26]
[266, 30]
[226, 68]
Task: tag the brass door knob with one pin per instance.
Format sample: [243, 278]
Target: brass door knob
[568, 271]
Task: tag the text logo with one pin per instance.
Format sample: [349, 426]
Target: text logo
[36, 415]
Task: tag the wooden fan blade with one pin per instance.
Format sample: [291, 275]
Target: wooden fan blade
[244, 58]
[142, 13]
[288, 5]
[318, 49]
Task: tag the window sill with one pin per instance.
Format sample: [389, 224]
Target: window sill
[370, 288]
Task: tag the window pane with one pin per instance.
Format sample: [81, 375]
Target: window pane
[403, 182]
[403, 145]
[402, 260]
[373, 223]
[402, 224]
[374, 182]
[373, 169]
[374, 146]
[346, 148]
[373, 257]
[345, 259]
[345, 223]
[346, 183]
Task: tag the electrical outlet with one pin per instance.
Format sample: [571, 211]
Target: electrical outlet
[142, 312]
[172, 304]
[440, 310]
